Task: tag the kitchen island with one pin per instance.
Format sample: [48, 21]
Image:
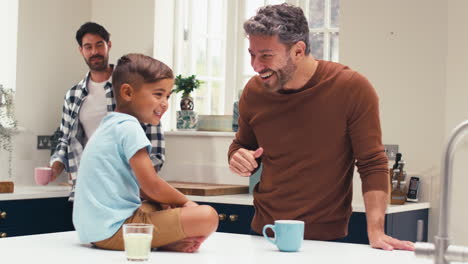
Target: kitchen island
[64, 247]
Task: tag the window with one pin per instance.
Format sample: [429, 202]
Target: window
[9, 29]
[204, 51]
[210, 42]
[323, 17]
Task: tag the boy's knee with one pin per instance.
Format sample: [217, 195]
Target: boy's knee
[208, 212]
[201, 220]
[210, 215]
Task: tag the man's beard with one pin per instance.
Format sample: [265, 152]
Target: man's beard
[102, 66]
[283, 75]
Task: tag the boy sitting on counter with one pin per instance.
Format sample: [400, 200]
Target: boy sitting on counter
[116, 169]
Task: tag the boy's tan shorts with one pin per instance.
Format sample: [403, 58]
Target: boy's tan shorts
[167, 226]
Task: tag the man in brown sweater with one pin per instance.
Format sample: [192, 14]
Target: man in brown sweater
[308, 121]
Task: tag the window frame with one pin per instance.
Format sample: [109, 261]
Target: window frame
[327, 29]
[234, 47]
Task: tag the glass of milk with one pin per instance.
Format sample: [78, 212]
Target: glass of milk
[137, 240]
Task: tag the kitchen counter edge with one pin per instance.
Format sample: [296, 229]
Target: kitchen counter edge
[38, 192]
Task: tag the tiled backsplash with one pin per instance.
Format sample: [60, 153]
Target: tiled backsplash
[199, 157]
[26, 157]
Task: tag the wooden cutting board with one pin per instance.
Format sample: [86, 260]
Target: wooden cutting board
[208, 189]
[6, 187]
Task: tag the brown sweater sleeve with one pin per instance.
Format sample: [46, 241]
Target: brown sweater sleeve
[245, 137]
[366, 136]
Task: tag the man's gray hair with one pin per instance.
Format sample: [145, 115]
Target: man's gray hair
[286, 21]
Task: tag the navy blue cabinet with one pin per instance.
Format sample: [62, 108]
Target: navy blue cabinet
[404, 225]
[236, 219]
[48, 215]
[35, 216]
[401, 225]
[233, 218]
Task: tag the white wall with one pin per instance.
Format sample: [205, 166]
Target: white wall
[456, 112]
[47, 66]
[415, 53]
[8, 27]
[48, 63]
[199, 159]
[130, 23]
[401, 47]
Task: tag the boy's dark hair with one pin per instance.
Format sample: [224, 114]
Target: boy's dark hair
[91, 28]
[137, 69]
[286, 21]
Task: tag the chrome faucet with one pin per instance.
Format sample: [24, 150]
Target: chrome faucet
[441, 251]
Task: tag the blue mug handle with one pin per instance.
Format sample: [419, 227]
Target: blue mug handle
[265, 234]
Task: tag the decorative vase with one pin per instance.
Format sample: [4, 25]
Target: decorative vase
[187, 120]
[186, 102]
[235, 116]
[255, 178]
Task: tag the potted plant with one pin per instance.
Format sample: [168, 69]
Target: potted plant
[187, 119]
[186, 85]
[8, 123]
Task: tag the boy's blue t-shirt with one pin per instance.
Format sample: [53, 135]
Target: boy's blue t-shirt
[107, 191]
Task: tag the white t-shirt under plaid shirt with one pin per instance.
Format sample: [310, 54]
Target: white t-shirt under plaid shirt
[73, 138]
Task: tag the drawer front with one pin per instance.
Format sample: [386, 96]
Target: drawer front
[8, 231]
[36, 216]
[404, 225]
[233, 218]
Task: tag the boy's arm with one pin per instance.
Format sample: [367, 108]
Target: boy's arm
[152, 186]
[143, 195]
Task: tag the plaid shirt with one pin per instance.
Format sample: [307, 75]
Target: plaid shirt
[73, 138]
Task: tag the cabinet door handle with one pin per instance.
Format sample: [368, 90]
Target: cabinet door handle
[222, 217]
[3, 235]
[233, 217]
[3, 215]
[419, 230]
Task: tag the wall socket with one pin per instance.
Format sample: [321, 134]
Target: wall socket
[391, 150]
[43, 142]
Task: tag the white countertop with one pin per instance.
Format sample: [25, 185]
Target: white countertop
[35, 192]
[60, 248]
[200, 133]
[247, 199]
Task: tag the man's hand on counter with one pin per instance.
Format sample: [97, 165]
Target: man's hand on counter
[385, 242]
[376, 204]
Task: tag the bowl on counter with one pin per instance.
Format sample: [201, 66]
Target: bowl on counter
[215, 123]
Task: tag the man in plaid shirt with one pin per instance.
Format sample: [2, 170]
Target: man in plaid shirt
[88, 102]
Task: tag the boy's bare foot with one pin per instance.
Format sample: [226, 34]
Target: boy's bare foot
[187, 245]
